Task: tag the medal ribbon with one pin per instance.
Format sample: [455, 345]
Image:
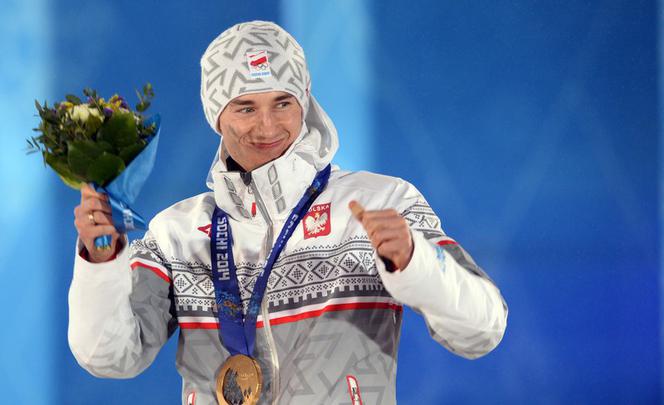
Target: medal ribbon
[237, 332]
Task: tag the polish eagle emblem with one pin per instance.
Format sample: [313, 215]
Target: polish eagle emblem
[317, 221]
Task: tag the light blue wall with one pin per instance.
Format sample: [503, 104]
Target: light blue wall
[26, 241]
[341, 69]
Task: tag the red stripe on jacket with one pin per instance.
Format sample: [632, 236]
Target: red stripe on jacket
[304, 315]
[155, 270]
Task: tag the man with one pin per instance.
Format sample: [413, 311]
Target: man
[288, 279]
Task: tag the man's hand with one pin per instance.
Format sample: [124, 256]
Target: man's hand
[92, 218]
[388, 232]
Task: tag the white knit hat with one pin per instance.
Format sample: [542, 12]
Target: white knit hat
[252, 57]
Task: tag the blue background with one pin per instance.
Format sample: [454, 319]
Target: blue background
[533, 129]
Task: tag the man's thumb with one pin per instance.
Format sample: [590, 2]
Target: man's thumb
[356, 209]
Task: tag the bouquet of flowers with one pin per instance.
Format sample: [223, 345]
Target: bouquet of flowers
[104, 143]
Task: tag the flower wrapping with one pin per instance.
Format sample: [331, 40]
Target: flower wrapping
[123, 190]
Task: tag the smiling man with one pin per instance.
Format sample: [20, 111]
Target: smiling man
[287, 281]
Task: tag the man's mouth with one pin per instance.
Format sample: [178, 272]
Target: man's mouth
[267, 145]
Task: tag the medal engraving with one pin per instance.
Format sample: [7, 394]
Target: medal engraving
[239, 381]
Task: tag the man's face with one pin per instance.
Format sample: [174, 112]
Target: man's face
[259, 127]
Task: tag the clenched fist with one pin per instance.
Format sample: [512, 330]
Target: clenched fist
[92, 218]
[388, 232]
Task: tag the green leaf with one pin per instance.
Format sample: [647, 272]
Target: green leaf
[88, 92]
[129, 153]
[81, 155]
[105, 168]
[33, 146]
[59, 164]
[73, 99]
[140, 101]
[120, 130]
[73, 183]
[148, 91]
[145, 98]
[106, 147]
[140, 107]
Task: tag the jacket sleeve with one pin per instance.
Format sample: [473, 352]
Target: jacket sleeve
[461, 305]
[120, 311]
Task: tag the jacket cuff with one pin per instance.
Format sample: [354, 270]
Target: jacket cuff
[401, 284]
[83, 269]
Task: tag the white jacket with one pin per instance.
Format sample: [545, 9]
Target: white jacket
[334, 311]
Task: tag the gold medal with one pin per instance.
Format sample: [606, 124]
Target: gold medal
[239, 381]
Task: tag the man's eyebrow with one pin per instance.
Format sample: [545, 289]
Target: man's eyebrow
[250, 102]
[283, 97]
[241, 102]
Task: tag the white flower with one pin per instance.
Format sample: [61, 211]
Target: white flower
[82, 112]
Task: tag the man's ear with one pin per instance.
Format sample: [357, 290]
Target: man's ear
[219, 123]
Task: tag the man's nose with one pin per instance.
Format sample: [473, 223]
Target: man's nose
[267, 123]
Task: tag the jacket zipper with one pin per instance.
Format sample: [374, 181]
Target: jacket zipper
[264, 305]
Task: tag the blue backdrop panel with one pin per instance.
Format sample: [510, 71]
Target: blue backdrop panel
[532, 130]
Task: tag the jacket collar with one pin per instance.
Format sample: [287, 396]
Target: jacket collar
[275, 187]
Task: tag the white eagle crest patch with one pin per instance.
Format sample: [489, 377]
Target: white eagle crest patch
[317, 221]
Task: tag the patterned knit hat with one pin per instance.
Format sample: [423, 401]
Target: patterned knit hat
[252, 57]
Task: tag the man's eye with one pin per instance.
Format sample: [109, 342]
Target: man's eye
[283, 104]
[246, 110]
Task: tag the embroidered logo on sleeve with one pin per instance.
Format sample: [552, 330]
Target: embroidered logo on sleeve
[259, 65]
[354, 390]
[205, 229]
[317, 221]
